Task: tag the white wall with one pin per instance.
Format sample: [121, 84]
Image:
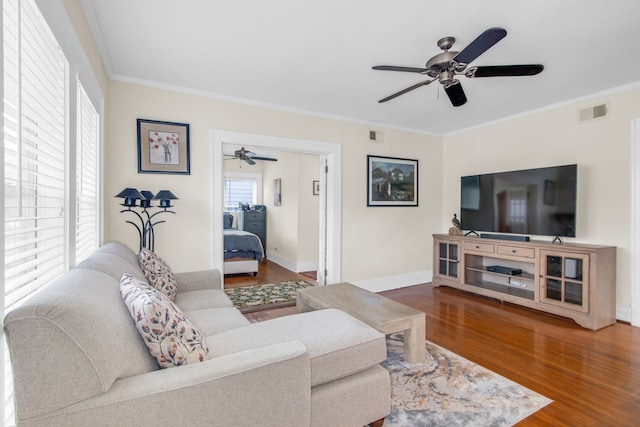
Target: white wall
[601, 148]
[308, 213]
[376, 242]
[293, 227]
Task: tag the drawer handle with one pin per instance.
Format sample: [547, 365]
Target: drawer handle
[513, 251]
[477, 247]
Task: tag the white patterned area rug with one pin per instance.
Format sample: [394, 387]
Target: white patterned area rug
[267, 296]
[449, 390]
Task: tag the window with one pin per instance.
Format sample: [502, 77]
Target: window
[241, 188]
[34, 156]
[51, 140]
[87, 207]
[237, 191]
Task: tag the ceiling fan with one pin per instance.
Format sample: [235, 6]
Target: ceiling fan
[448, 64]
[248, 156]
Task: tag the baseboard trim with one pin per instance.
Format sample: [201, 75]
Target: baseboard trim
[281, 261]
[291, 265]
[395, 282]
[623, 313]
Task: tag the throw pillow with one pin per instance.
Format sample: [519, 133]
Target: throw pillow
[158, 273]
[227, 221]
[170, 337]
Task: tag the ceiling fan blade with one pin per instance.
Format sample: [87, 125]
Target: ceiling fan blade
[405, 69]
[455, 93]
[403, 91]
[480, 45]
[505, 70]
[268, 159]
[248, 160]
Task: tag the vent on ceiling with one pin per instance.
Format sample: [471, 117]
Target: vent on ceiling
[594, 112]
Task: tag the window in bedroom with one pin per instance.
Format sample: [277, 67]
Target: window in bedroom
[241, 188]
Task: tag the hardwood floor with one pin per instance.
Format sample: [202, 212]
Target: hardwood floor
[592, 376]
[268, 272]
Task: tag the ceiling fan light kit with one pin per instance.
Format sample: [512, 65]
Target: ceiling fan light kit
[445, 66]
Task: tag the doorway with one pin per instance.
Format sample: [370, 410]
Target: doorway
[329, 264]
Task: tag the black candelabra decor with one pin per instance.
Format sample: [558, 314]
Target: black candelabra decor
[145, 217]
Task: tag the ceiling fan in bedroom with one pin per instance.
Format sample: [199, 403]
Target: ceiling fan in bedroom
[248, 156]
[448, 64]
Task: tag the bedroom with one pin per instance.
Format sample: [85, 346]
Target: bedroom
[291, 228]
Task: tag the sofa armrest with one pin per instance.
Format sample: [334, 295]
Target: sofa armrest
[196, 280]
[248, 388]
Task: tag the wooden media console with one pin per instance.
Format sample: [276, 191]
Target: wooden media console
[573, 280]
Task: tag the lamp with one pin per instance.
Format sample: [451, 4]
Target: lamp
[145, 202]
[165, 197]
[145, 218]
[130, 196]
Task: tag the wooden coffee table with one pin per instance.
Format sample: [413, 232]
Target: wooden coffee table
[383, 314]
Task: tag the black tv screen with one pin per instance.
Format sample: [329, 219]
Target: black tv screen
[533, 201]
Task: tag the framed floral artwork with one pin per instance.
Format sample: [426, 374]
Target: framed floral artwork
[163, 147]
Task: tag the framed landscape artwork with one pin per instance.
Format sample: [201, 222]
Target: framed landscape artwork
[163, 147]
[392, 181]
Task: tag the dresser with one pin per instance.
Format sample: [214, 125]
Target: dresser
[255, 221]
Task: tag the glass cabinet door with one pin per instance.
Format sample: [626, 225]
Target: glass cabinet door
[562, 280]
[448, 259]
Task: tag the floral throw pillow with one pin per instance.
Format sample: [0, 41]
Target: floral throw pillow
[158, 273]
[170, 337]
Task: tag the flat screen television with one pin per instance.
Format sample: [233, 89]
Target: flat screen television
[538, 202]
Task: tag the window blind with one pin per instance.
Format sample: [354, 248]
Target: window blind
[34, 171]
[88, 134]
[39, 226]
[239, 191]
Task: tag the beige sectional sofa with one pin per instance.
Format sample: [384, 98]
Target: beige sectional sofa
[78, 359]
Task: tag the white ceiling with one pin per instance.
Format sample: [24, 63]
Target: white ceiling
[316, 56]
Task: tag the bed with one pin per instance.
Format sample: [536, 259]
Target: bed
[242, 250]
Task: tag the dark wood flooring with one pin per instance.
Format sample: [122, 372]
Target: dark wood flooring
[592, 376]
[268, 272]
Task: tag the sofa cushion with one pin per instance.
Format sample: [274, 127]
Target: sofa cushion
[203, 298]
[212, 321]
[121, 250]
[158, 273]
[338, 344]
[71, 341]
[112, 265]
[170, 337]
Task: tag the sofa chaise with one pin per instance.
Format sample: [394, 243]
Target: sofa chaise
[78, 359]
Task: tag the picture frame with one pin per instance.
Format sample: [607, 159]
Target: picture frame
[163, 147]
[277, 192]
[392, 181]
[316, 188]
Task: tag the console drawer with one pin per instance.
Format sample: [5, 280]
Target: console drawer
[487, 248]
[517, 251]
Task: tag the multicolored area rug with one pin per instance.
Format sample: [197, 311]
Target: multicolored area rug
[448, 390]
[253, 298]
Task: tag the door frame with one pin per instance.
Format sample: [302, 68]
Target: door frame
[635, 222]
[331, 225]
